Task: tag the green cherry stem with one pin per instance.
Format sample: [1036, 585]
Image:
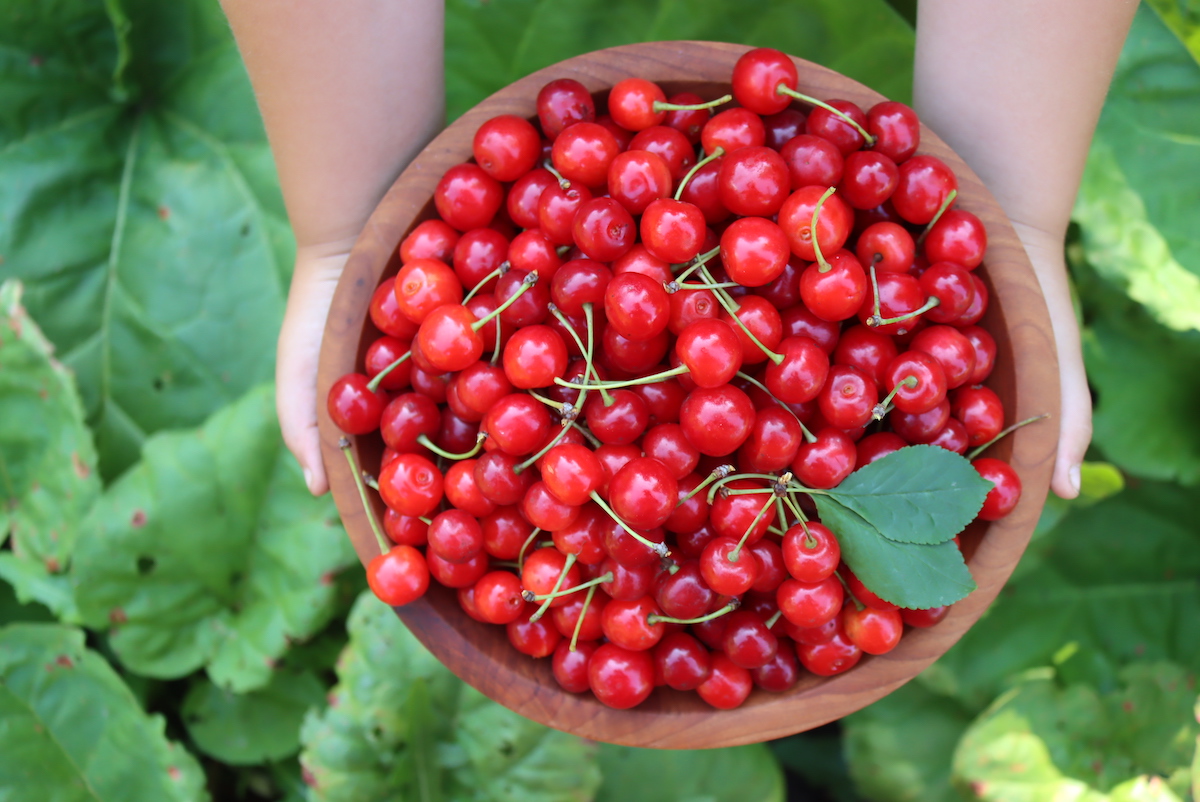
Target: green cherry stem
[660, 106]
[719, 486]
[550, 402]
[825, 267]
[658, 548]
[369, 481]
[770, 622]
[568, 417]
[698, 263]
[949, 199]
[529, 595]
[737, 550]
[673, 287]
[591, 438]
[563, 183]
[587, 602]
[732, 308]
[425, 441]
[718, 473]
[657, 377]
[654, 618]
[783, 89]
[373, 384]
[885, 406]
[589, 353]
[529, 280]
[875, 293]
[716, 154]
[875, 320]
[385, 545]
[528, 542]
[795, 508]
[781, 512]
[976, 452]
[567, 565]
[497, 273]
[808, 436]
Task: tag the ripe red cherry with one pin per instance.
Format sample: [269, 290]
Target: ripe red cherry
[951, 349]
[572, 472]
[570, 668]
[924, 618]
[411, 485]
[398, 577]
[868, 179]
[899, 295]
[466, 197]
[619, 423]
[873, 631]
[536, 639]
[604, 229]
[952, 286]
[930, 388]
[524, 195]
[583, 153]
[754, 251]
[985, 352]
[747, 641]
[712, 352]
[507, 147]
[811, 556]
[683, 661]
[534, 357]
[728, 578]
[757, 76]
[959, 237]
[620, 678]
[886, 245]
[784, 126]
[828, 125]
[733, 129]
[672, 230]
[667, 443]
[717, 420]
[754, 182]
[896, 129]
[833, 223]
[861, 592]
[626, 623]
[924, 183]
[562, 103]
[447, 340]
[386, 314]
[517, 424]
[728, 684]
[406, 418]
[637, 178]
[431, 239]
[830, 657]
[773, 441]
[422, 285]
[812, 161]
[631, 104]
[810, 604]
[643, 493]
[799, 377]
[837, 293]
[1003, 497]
[980, 410]
[688, 122]
[825, 462]
[353, 407]
[637, 306]
[735, 517]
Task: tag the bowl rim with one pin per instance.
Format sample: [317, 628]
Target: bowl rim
[671, 719]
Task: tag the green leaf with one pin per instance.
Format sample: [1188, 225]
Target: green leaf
[1144, 413]
[1183, 18]
[1150, 127]
[1042, 740]
[48, 476]
[244, 729]
[397, 712]
[491, 43]
[818, 757]
[899, 748]
[912, 575]
[73, 732]
[735, 774]
[919, 494]
[1118, 578]
[1099, 480]
[211, 552]
[141, 209]
[13, 610]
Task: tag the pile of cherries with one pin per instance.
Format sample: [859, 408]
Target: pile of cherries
[610, 367]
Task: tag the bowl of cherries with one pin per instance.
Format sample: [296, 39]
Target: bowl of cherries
[674, 396]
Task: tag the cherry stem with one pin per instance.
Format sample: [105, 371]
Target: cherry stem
[654, 618]
[770, 622]
[497, 273]
[717, 474]
[795, 508]
[716, 154]
[591, 438]
[528, 541]
[589, 353]
[875, 320]
[699, 262]
[587, 602]
[885, 406]
[808, 436]
[567, 565]
[781, 511]
[732, 307]
[527, 282]
[711, 104]
[875, 294]
[496, 347]
[724, 480]
[976, 452]
[825, 267]
[568, 418]
[784, 89]
[949, 199]
[673, 287]
[479, 438]
[529, 595]
[369, 481]
[550, 402]
[737, 550]
[375, 381]
[658, 548]
[652, 379]
[385, 545]
[563, 183]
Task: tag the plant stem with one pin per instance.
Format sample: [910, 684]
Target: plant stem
[385, 545]
[977, 451]
[716, 154]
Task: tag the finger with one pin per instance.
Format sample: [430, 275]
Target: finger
[1075, 432]
[297, 357]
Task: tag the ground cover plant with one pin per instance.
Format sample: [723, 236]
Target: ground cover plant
[163, 570]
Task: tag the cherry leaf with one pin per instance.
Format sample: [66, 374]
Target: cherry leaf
[919, 494]
[913, 575]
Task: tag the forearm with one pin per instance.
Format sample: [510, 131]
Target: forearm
[1016, 87]
[350, 91]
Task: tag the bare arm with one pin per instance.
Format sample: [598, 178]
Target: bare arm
[1016, 87]
[350, 90]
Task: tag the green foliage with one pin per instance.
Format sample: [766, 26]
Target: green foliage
[71, 727]
[738, 774]
[141, 209]
[399, 721]
[211, 553]
[491, 43]
[48, 474]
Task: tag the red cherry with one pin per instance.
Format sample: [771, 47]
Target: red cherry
[561, 103]
[831, 657]
[411, 485]
[836, 293]
[352, 406]
[868, 179]
[431, 239]
[886, 245]
[728, 684]
[828, 125]
[959, 237]
[643, 493]
[896, 129]
[626, 623]
[570, 668]
[810, 604]
[620, 678]
[467, 197]
[524, 196]
[828, 460]
[717, 420]
[712, 352]
[873, 631]
[980, 410]
[924, 184]
[507, 147]
[728, 578]
[672, 230]
[683, 661]
[754, 181]
[604, 229]
[398, 577]
[833, 222]
[637, 178]
[631, 104]
[1006, 490]
[583, 153]
[757, 76]
[536, 639]
[924, 618]
[733, 129]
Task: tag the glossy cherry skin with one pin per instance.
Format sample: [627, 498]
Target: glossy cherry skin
[669, 144]
[748, 643]
[637, 178]
[570, 668]
[810, 604]
[643, 493]
[604, 229]
[572, 472]
[868, 350]
[467, 197]
[924, 618]
[517, 424]
[673, 230]
[800, 376]
[544, 510]
[735, 517]
[534, 357]
[717, 420]
[688, 122]
[631, 103]
[684, 594]
[1006, 492]
[831, 126]
[959, 237]
[980, 410]
[950, 347]
[398, 577]
[496, 480]
[504, 532]
[498, 597]
[798, 321]
[922, 427]
[544, 568]
[848, 397]
[985, 352]
[952, 286]
[524, 195]
[457, 575]
[781, 673]
[728, 578]
[732, 129]
[931, 386]
[619, 423]
[626, 623]
[535, 639]
[923, 185]
[561, 103]
[812, 161]
[667, 443]
[773, 442]
[568, 615]
[899, 295]
[833, 222]
[583, 153]
[757, 76]
[868, 179]
[823, 464]
[422, 285]
[873, 631]
[727, 685]
[754, 251]
[896, 129]
[386, 314]
[411, 485]
[712, 352]
[636, 306]
[353, 407]
[886, 245]
[877, 446]
[754, 182]
[813, 556]
[506, 147]
[620, 678]
[556, 210]
[760, 318]
[455, 536]
[831, 657]
[861, 592]
[431, 239]
[837, 293]
[683, 661]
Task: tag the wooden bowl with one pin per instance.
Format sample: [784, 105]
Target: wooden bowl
[1026, 378]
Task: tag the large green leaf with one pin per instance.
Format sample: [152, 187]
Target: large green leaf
[262, 725]
[401, 726]
[48, 476]
[919, 494]
[211, 553]
[1183, 18]
[141, 208]
[491, 43]
[737, 774]
[1116, 582]
[72, 732]
[1147, 380]
[1043, 740]
[1151, 128]
[899, 748]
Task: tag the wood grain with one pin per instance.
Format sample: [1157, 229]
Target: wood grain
[1026, 378]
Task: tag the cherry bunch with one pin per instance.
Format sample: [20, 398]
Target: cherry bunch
[613, 367]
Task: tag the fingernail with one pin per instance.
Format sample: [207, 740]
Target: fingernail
[1075, 478]
[308, 479]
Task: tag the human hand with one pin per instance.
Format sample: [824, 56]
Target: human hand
[1045, 252]
[314, 280]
